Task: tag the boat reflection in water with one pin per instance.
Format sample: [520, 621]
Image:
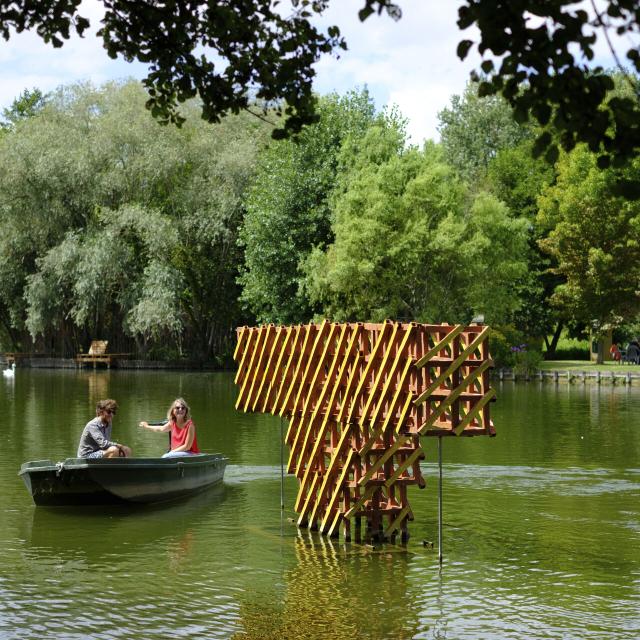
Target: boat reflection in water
[130, 527]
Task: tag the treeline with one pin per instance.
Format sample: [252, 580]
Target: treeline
[162, 239]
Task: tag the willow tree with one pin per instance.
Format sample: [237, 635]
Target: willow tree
[115, 227]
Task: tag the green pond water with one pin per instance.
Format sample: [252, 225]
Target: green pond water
[541, 526]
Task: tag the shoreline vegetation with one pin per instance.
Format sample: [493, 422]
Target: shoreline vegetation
[572, 371]
[161, 241]
[70, 363]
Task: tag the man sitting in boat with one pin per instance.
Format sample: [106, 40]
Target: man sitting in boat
[183, 431]
[95, 441]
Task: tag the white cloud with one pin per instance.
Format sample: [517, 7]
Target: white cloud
[411, 63]
[27, 62]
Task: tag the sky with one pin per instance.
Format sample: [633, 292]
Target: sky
[410, 63]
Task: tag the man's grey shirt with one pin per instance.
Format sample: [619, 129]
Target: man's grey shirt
[96, 435]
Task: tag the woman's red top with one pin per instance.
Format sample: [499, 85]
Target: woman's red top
[179, 436]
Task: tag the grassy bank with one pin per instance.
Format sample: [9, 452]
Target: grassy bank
[585, 365]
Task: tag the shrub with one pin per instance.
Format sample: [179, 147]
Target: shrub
[572, 353]
[500, 341]
[526, 360]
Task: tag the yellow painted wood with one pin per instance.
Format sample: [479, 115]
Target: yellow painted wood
[295, 464]
[294, 424]
[306, 492]
[388, 420]
[278, 376]
[403, 414]
[365, 375]
[381, 371]
[332, 467]
[284, 387]
[305, 332]
[356, 506]
[457, 330]
[267, 365]
[317, 377]
[331, 505]
[352, 381]
[453, 366]
[335, 523]
[334, 390]
[404, 466]
[308, 369]
[243, 336]
[333, 329]
[474, 412]
[395, 525]
[453, 396]
[400, 355]
[328, 383]
[400, 442]
[255, 379]
[246, 385]
[380, 429]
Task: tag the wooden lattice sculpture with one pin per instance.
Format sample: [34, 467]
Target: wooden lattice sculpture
[358, 397]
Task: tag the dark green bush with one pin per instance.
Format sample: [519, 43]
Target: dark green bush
[572, 353]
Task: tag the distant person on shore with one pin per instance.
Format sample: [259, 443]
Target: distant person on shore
[95, 441]
[615, 352]
[181, 427]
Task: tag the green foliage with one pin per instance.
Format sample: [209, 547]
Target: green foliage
[288, 208]
[527, 361]
[27, 104]
[542, 76]
[517, 178]
[474, 130]
[501, 340]
[112, 226]
[228, 54]
[571, 353]
[407, 245]
[594, 239]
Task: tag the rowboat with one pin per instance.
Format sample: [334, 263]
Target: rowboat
[83, 481]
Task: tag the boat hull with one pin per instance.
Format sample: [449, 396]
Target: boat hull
[82, 481]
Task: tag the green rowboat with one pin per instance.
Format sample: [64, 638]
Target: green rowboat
[83, 481]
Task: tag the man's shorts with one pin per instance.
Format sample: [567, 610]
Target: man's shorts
[96, 454]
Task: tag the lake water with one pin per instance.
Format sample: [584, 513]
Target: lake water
[541, 527]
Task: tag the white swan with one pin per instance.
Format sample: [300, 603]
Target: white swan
[9, 373]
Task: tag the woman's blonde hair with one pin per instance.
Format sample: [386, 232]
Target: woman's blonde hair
[171, 413]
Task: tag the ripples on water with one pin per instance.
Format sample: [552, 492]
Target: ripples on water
[541, 538]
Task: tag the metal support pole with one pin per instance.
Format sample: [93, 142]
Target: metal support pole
[440, 499]
[281, 465]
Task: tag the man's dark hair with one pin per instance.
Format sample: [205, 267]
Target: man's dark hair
[104, 405]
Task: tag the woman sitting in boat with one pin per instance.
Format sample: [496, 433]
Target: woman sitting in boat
[183, 431]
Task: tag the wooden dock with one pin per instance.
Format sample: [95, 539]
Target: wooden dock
[97, 354]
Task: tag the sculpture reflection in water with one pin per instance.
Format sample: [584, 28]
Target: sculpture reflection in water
[327, 589]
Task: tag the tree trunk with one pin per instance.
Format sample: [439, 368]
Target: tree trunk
[553, 345]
